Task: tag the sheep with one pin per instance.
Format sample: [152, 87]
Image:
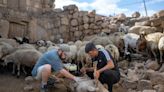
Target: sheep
[78, 43]
[49, 43]
[161, 48]
[101, 41]
[117, 39]
[25, 46]
[114, 51]
[21, 40]
[72, 54]
[83, 57]
[87, 85]
[99, 47]
[40, 43]
[26, 57]
[140, 29]
[5, 49]
[53, 47]
[9, 41]
[130, 41]
[42, 49]
[70, 43]
[123, 28]
[150, 43]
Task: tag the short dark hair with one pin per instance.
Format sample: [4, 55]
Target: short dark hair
[89, 46]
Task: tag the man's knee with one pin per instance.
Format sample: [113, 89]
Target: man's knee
[47, 68]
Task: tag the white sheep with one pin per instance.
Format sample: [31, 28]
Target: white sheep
[78, 43]
[101, 41]
[142, 29]
[130, 41]
[83, 57]
[26, 46]
[42, 49]
[5, 49]
[114, 51]
[99, 47]
[12, 42]
[161, 48]
[26, 57]
[49, 43]
[72, 54]
[87, 85]
[40, 43]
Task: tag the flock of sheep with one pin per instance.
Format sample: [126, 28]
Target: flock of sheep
[137, 39]
[119, 44]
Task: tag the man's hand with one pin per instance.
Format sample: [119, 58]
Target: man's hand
[83, 70]
[96, 74]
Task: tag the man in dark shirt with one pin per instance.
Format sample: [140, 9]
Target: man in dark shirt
[107, 71]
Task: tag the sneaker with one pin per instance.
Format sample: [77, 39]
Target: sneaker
[44, 89]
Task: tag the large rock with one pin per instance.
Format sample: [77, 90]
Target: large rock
[155, 77]
[162, 68]
[159, 88]
[74, 22]
[64, 21]
[149, 91]
[155, 22]
[151, 64]
[36, 32]
[121, 17]
[85, 19]
[144, 84]
[136, 15]
[4, 28]
[144, 23]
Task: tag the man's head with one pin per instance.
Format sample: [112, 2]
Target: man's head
[91, 49]
[62, 54]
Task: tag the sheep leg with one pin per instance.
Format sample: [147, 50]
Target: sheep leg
[155, 56]
[24, 71]
[13, 72]
[161, 56]
[18, 70]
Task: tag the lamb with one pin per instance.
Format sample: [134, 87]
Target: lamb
[26, 57]
[114, 51]
[87, 85]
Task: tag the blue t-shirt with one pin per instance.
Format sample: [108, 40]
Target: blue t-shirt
[50, 57]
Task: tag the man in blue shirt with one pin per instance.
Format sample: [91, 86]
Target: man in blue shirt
[51, 60]
[107, 71]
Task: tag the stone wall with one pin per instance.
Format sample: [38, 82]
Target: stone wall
[37, 19]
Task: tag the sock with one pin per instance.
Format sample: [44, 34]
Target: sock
[43, 84]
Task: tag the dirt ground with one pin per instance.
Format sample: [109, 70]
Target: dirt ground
[9, 83]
